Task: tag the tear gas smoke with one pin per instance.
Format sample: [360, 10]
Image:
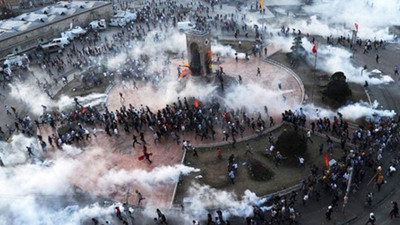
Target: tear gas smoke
[34, 98]
[203, 197]
[147, 179]
[254, 97]
[332, 59]
[350, 112]
[41, 193]
[226, 51]
[380, 15]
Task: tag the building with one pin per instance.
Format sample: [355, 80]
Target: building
[25, 31]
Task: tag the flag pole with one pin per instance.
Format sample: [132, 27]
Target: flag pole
[315, 68]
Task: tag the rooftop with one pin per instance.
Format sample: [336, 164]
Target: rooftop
[44, 16]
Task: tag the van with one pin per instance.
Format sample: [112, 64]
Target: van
[186, 26]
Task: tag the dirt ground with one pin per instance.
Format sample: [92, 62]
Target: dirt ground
[214, 171]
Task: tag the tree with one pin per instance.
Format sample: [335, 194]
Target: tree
[297, 48]
[337, 88]
[291, 145]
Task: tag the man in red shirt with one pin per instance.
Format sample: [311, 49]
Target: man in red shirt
[219, 154]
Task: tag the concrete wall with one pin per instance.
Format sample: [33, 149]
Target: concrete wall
[30, 39]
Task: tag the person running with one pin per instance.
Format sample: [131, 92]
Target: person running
[121, 97]
[371, 219]
[139, 197]
[135, 141]
[394, 213]
[258, 71]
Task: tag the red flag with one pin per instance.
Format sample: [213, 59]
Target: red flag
[314, 49]
[144, 156]
[183, 74]
[326, 160]
[356, 25]
[196, 103]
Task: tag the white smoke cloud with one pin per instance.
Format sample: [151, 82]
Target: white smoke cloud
[171, 41]
[14, 152]
[30, 95]
[147, 179]
[34, 98]
[332, 59]
[373, 17]
[201, 198]
[34, 191]
[350, 112]
[254, 97]
[117, 61]
[225, 51]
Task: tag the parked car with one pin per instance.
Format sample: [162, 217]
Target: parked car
[54, 45]
[98, 24]
[78, 31]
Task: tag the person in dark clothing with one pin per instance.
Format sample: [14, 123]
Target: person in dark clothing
[135, 141]
[329, 213]
[395, 210]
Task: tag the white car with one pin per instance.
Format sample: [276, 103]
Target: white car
[98, 24]
[73, 33]
[54, 45]
[62, 42]
[77, 31]
[186, 26]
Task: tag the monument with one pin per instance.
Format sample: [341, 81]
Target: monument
[199, 52]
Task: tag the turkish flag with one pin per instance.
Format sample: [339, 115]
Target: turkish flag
[326, 160]
[142, 157]
[356, 25]
[314, 49]
[196, 103]
[183, 74]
